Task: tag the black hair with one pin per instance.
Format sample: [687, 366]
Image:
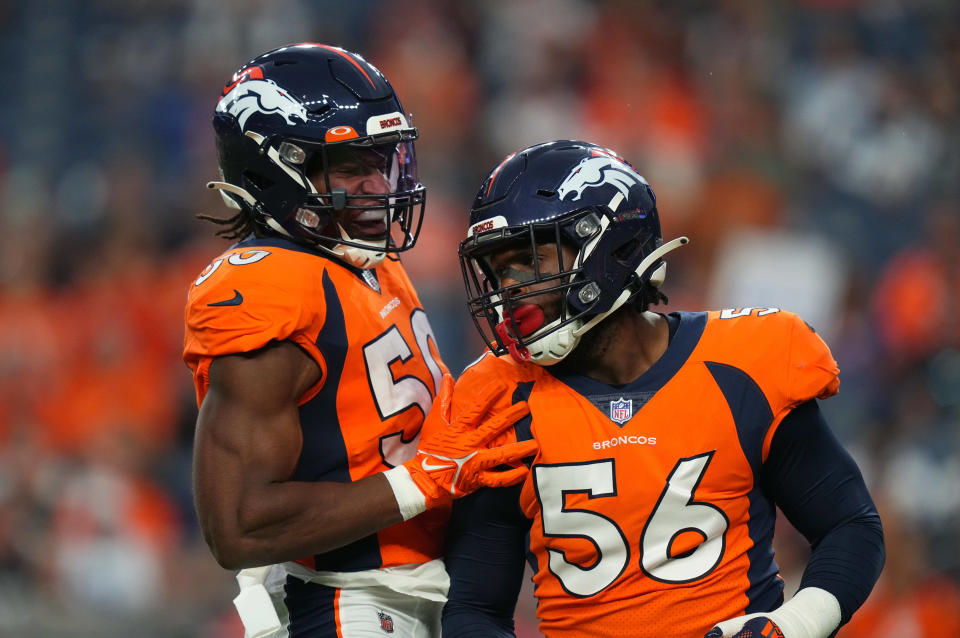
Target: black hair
[240, 225]
[648, 295]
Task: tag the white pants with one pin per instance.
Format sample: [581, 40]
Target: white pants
[377, 612]
[397, 601]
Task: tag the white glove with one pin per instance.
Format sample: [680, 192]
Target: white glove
[811, 613]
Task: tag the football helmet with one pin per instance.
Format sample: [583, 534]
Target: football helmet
[276, 123]
[567, 193]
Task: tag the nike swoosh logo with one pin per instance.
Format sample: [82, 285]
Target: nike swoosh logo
[430, 466]
[235, 301]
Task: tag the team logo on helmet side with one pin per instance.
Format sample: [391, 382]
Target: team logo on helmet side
[260, 96]
[596, 171]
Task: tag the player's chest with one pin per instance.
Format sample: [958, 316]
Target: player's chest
[382, 343]
[682, 441]
[391, 355]
[385, 370]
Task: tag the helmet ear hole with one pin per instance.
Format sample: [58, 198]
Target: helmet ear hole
[629, 252]
[261, 182]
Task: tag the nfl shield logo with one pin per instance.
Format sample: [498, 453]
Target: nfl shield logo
[371, 280]
[386, 622]
[621, 410]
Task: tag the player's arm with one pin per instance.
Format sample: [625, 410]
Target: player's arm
[248, 441]
[484, 557]
[822, 493]
[247, 444]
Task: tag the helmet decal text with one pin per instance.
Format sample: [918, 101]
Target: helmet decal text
[487, 224]
[386, 122]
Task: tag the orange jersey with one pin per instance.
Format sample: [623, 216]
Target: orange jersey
[646, 514]
[377, 354]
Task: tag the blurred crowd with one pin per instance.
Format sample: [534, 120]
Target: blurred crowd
[809, 149]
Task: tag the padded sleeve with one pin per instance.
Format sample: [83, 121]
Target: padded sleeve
[822, 493]
[484, 556]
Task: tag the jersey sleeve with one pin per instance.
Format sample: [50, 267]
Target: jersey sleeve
[806, 370]
[241, 306]
[813, 371]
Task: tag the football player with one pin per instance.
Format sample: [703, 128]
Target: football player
[315, 365]
[666, 440]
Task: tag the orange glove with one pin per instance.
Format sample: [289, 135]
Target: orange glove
[453, 459]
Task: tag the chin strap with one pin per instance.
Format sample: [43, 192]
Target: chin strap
[360, 257]
[363, 258]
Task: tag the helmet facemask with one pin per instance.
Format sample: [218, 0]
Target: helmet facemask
[336, 219]
[585, 293]
[510, 317]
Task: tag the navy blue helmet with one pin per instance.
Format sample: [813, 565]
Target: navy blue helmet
[567, 193]
[277, 122]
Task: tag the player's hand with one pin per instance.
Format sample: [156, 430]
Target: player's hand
[811, 613]
[756, 626]
[453, 459]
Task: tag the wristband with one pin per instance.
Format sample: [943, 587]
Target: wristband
[409, 497]
[811, 613]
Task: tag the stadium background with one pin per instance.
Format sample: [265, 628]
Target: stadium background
[811, 151]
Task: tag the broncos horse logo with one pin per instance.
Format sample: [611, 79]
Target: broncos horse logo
[260, 96]
[597, 171]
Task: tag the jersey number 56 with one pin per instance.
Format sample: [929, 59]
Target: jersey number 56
[676, 513]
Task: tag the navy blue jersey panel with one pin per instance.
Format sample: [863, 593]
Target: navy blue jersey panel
[752, 416]
[749, 407]
[685, 339]
[531, 559]
[324, 455]
[311, 608]
[523, 427]
[673, 323]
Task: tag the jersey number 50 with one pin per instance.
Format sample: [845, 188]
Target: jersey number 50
[392, 395]
[676, 517]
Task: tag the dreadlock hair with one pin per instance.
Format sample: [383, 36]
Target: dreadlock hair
[240, 225]
[648, 295]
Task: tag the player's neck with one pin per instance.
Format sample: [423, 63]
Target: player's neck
[620, 348]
